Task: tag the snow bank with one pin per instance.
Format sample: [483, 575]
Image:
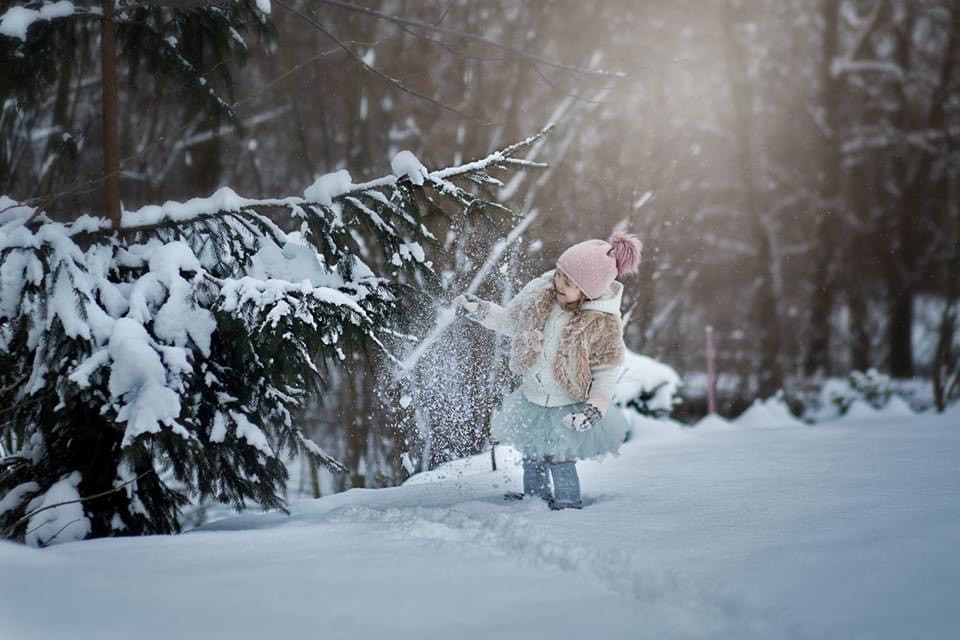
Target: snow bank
[712, 422]
[877, 390]
[642, 428]
[772, 412]
[896, 408]
[860, 410]
[651, 386]
[506, 456]
[755, 534]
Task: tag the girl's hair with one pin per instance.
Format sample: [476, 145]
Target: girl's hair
[570, 306]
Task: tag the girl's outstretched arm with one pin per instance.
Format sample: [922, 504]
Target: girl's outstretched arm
[502, 319]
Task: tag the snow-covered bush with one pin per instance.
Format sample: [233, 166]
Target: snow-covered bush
[870, 387]
[145, 365]
[864, 391]
[647, 386]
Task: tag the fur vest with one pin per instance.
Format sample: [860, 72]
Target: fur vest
[591, 338]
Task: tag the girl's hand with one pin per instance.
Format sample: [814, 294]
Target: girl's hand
[471, 306]
[466, 302]
[583, 420]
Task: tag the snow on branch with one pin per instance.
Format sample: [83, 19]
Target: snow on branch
[190, 333]
[15, 21]
[338, 188]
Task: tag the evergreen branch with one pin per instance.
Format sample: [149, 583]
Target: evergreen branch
[13, 385]
[438, 178]
[80, 187]
[315, 450]
[517, 146]
[76, 12]
[177, 4]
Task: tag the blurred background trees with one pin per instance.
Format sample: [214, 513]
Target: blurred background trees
[791, 166]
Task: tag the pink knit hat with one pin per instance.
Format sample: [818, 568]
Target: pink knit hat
[594, 264]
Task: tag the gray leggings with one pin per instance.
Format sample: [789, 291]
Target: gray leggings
[566, 483]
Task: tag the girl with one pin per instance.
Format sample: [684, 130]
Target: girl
[567, 343]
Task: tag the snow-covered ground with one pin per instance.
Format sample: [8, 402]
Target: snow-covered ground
[847, 529]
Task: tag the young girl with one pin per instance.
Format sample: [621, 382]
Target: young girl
[567, 343]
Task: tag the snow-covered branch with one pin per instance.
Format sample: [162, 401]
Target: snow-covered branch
[16, 21]
[188, 335]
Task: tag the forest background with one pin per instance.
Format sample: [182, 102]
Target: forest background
[791, 167]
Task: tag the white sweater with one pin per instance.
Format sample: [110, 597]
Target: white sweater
[539, 385]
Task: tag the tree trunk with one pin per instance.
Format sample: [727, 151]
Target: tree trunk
[764, 314]
[859, 335]
[354, 422]
[818, 350]
[111, 145]
[943, 362]
[899, 334]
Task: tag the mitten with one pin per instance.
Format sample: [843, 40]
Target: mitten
[583, 420]
[472, 307]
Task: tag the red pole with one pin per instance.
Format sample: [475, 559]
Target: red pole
[711, 373]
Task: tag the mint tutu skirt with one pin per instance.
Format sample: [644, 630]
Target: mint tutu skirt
[538, 432]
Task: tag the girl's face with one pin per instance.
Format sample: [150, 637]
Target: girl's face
[567, 292]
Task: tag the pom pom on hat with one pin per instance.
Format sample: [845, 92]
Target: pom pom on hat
[626, 250]
[594, 264]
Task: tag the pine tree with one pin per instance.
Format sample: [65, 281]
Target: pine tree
[164, 50]
[147, 365]
[157, 359]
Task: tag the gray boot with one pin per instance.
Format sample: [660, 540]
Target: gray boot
[535, 481]
[566, 486]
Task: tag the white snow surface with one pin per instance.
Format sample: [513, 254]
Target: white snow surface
[845, 529]
[712, 421]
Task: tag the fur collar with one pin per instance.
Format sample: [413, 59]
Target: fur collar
[591, 338]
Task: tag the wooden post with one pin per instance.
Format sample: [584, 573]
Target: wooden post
[111, 144]
[711, 372]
